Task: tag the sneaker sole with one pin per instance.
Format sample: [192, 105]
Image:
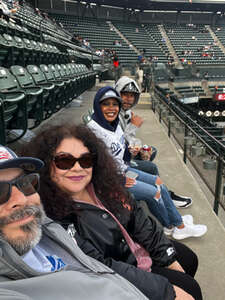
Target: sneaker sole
[182, 237]
[181, 206]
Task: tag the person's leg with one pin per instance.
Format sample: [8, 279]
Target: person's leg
[146, 166]
[150, 193]
[174, 216]
[164, 211]
[186, 258]
[180, 279]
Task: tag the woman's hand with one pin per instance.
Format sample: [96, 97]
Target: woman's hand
[181, 294]
[176, 266]
[130, 182]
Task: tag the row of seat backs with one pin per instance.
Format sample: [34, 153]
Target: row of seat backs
[29, 92]
[15, 41]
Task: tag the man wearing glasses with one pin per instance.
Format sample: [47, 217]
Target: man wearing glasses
[33, 249]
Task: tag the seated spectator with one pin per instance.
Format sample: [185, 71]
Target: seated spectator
[146, 187]
[5, 12]
[130, 123]
[39, 260]
[81, 187]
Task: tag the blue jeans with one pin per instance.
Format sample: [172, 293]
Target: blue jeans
[146, 166]
[157, 198]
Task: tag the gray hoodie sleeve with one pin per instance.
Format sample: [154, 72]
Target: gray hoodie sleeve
[6, 294]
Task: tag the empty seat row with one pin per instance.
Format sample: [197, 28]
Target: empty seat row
[30, 95]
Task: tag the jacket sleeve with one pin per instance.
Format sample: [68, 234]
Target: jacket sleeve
[147, 232]
[153, 286]
[130, 132]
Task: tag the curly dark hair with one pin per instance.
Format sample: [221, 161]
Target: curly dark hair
[107, 178]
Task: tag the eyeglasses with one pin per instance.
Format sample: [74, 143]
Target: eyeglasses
[28, 185]
[66, 161]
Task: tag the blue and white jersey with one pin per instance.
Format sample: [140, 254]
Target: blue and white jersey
[42, 261]
[114, 141]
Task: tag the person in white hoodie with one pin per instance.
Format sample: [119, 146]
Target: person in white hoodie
[130, 123]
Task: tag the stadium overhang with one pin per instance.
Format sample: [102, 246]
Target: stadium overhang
[164, 5]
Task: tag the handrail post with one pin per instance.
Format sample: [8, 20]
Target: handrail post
[160, 115]
[185, 144]
[169, 128]
[218, 187]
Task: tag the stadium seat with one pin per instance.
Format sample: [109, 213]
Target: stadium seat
[53, 103]
[13, 107]
[35, 95]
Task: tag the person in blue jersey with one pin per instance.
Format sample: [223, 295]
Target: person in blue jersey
[146, 187]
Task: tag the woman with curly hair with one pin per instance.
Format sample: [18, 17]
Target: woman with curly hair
[82, 188]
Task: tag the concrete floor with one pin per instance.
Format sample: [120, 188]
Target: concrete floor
[176, 175]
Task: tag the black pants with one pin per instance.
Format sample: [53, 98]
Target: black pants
[189, 261]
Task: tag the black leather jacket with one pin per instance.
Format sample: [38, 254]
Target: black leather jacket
[99, 236]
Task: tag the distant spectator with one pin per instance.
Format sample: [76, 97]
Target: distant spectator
[206, 75]
[87, 44]
[117, 43]
[115, 61]
[140, 59]
[5, 12]
[137, 30]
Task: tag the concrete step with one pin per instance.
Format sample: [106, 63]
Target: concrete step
[144, 101]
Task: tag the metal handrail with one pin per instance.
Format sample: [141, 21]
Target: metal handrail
[205, 137]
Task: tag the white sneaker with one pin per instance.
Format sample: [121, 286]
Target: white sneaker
[168, 231]
[190, 230]
[187, 219]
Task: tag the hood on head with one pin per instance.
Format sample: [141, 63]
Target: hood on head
[122, 82]
[103, 94]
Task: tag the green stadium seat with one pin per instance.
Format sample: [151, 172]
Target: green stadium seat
[35, 95]
[13, 107]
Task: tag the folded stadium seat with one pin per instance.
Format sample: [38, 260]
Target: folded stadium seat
[72, 85]
[58, 76]
[66, 96]
[66, 70]
[36, 53]
[13, 107]
[57, 54]
[20, 48]
[13, 29]
[29, 56]
[14, 50]
[27, 34]
[52, 103]
[84, 72]
[5, 51]
[74, 73]
[47, 54]
[35, 95]
[91, 76]
[52, 54]
[83, 79]
[4, 26]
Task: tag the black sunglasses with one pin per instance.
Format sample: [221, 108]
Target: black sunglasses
[27, 184]
[66, 161]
